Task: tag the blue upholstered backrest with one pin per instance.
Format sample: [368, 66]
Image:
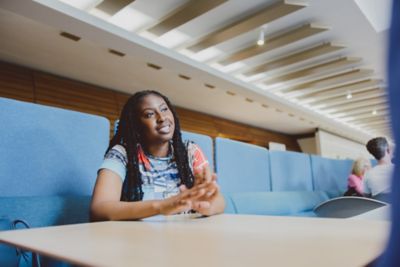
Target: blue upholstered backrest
[241, 167]
[205, 142]
[49, 151]
[292, 203]
[330, 174]
[290, 171]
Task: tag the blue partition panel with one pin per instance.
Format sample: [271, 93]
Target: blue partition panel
[49, 151]
[292, 203]
[204, 141]
[241, 167]
[290, 171]
[330, 174]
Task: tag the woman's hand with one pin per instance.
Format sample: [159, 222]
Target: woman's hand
[182, 202]
[210, 201]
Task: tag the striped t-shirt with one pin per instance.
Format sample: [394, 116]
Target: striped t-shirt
[160, 177]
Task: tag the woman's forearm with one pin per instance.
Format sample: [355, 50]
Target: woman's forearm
[119, 210]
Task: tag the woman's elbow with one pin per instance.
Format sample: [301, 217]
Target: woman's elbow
[98, 213]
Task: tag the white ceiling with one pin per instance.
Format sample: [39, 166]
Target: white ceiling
[30, 36]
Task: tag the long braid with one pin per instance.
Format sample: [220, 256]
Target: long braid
[127, 135]
[180, 151]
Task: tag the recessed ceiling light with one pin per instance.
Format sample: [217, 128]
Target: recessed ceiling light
[230, 93]
[261, 36]
[260, 40]
[374, 112]
[249, 100]
[349, 95]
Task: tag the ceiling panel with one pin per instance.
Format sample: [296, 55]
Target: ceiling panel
[215, 43]
[279, 40]
[268, 14]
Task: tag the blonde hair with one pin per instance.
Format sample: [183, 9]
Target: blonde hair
[360, 165]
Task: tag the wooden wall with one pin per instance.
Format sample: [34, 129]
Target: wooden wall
[35, 86]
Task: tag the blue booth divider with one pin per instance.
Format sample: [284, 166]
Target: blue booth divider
[241, 167]
[50, 157]
[293, 203]
[48, 163]
[290, 171]
[330, 174]
[49, 151]
[205, 143]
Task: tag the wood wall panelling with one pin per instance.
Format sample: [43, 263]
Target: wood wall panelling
[42, 88]
[16, 82]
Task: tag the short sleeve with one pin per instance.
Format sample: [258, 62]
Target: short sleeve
[116, 161]
[197, 159]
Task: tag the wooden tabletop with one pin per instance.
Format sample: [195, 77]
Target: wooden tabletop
[222, 240]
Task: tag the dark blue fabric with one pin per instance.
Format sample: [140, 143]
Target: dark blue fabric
[49, 151]
[391, 256]
[48, 210]
[8, 255]
[45, 211]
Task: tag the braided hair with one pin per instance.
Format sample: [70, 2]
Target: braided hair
[127, 135]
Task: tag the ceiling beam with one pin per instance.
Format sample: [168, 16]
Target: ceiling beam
[278, 40]
[328, 82]
[317, 70]
[381, 122]
[371, 99]
[370, 120]
[376, 92]
[387, 128]
[359, 86]
[266, 15]
[365, 104]
[341, 114]
[367, 115]
[297, 57]
[111, 7]
[184, 14]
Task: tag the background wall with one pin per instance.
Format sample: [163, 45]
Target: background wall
[308, 145]
[333, 146]
[35, 86]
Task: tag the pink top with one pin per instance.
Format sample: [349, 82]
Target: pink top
[355, 182]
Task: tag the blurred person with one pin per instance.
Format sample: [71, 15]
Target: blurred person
[354, 182]
[378, 179]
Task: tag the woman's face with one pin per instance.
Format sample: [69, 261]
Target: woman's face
[156, 119]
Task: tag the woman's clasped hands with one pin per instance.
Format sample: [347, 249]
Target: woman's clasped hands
[198, 198]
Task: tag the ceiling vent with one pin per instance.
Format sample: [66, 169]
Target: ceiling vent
[154, 66]
[184, 77]
[70, 36]
[116, 53]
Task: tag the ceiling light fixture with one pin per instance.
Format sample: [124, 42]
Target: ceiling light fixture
[349, 95]
[261, 37]
[374, 112]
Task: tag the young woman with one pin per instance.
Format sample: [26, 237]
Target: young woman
[148, 170]
[354, 184]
